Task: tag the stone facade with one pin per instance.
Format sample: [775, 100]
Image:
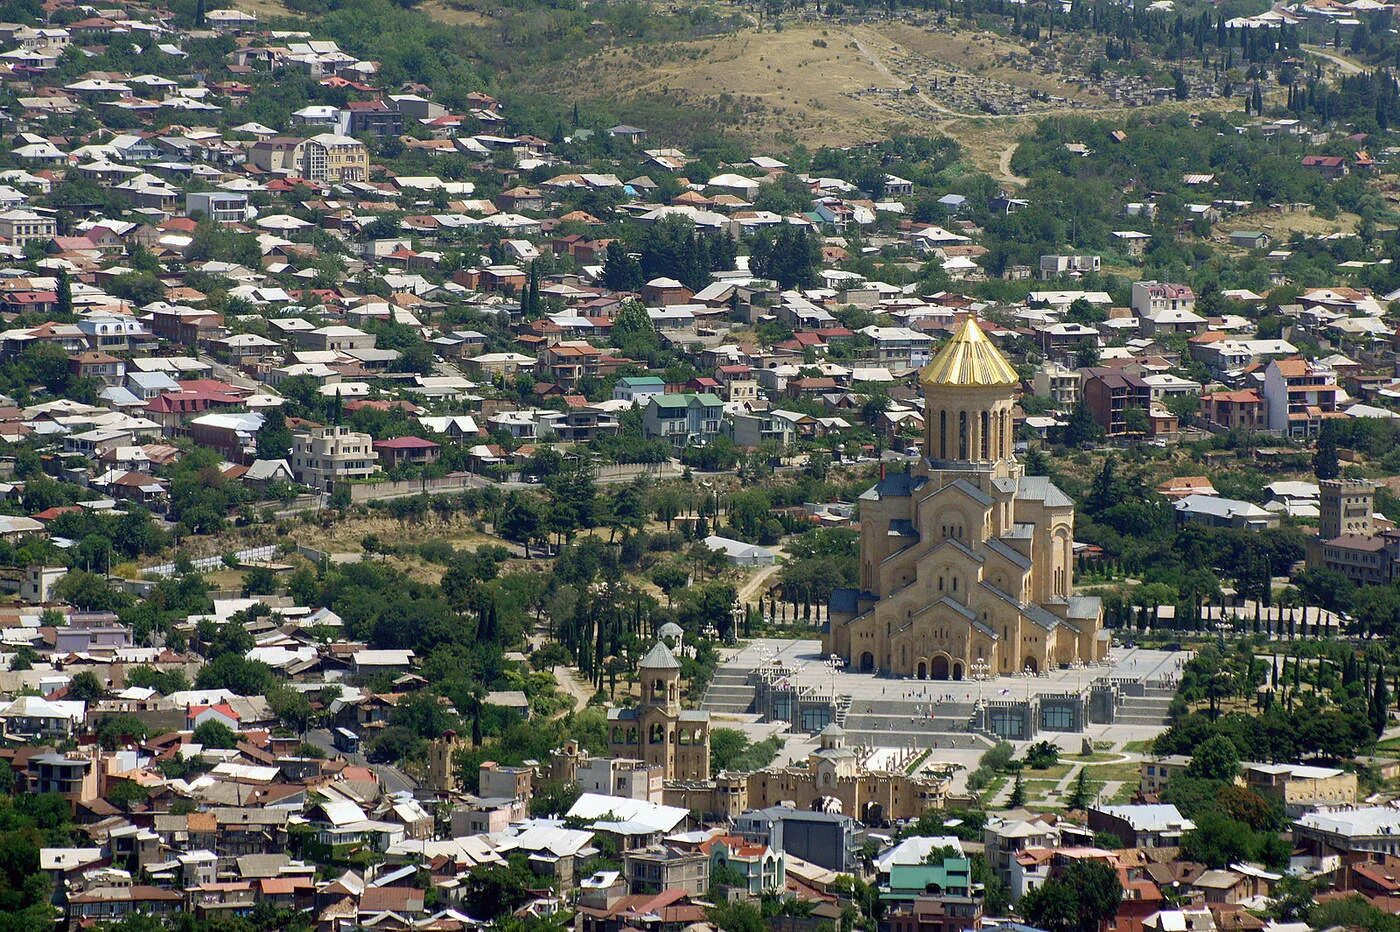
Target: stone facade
[833, 772]
[966, 563]
[658, 731]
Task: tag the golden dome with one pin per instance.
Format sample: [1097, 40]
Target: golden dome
[969, 360]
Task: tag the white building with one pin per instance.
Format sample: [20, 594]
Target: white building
[322, 456]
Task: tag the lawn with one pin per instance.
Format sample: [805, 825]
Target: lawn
[1128, 772]
[1390, 747]
[1057, 772]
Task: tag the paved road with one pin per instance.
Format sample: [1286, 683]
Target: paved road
[393, 779]
[1346, 66]
[390, 777]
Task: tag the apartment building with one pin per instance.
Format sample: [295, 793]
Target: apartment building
[335, 158]
[323, 456]
[1298, 396]
[1110, 394]
[21, 227]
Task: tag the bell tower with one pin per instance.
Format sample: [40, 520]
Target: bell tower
[969, 395]
[660, 674]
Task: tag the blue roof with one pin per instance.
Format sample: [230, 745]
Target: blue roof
[897, 485]
[844, 600]
[847, 600]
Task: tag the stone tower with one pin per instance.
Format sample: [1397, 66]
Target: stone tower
[1346, 506]
[657, 730]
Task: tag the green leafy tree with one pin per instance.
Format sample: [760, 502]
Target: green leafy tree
[64, 305]
[1085, 895]
[274, 437]
[86, 687]
[622, 271]
[212, 733]
[554, 798]
[1216, 759]
[237, 674]
[1081, 429]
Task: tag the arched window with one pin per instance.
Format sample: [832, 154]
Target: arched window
[943, 435]
[658, 734]
[962, 435]
[986, 433]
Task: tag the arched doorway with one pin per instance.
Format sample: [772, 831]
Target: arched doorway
[867, 662]
[958, 670]
[940, 667]
[1031, 665]
[874, 814]
[921, 671]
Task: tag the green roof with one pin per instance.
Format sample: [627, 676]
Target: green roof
[642, 380]
[684, 400]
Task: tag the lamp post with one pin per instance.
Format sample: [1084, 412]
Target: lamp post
[979, 673]
[834, 663]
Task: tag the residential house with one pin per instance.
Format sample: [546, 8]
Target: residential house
[1141, 826]
[323, 456]
[406, 451]
[683, 419]
[21, 227]
[1110, 394]
[1149, 297]
[1238, 410]
[1215, 511]
[1299, 395]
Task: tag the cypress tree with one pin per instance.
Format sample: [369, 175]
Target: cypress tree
[1018, 793]
[1380, 705]
[65, 293]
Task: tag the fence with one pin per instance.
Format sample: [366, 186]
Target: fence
[202, 564]
[372, 491]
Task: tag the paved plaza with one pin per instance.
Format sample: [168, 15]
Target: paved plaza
[898, 714]
[811, 668]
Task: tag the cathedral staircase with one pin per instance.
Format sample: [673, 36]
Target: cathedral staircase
[729, 692]
[1151, 708]
[896, 723]
[843, 709]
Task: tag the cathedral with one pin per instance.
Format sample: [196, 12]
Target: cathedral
[966, 564]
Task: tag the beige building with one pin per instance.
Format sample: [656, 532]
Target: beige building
[22, 226]
[658, 731]
[322, 456]
[620, 776]
[661, 868]
[332, 157]
[965, 561]
[1301, 788]
[834, 772]
[279, 155]
[1156, 772]
[1346, 506]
